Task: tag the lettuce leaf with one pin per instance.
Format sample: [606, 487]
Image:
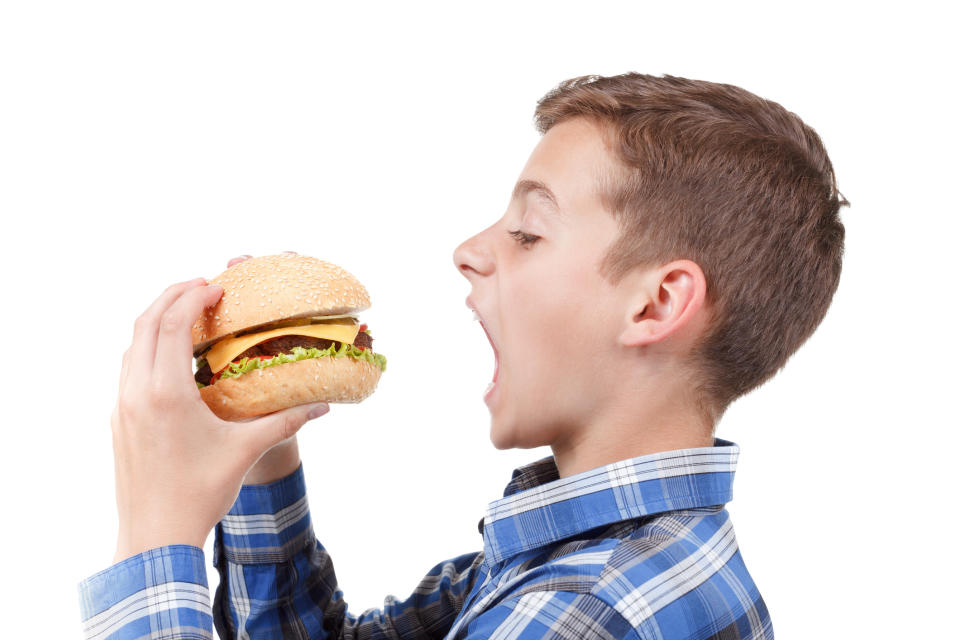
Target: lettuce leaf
[246, 365]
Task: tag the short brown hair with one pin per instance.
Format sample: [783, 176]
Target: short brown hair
[739, 185]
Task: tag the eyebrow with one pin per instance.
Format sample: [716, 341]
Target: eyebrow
[523, 187]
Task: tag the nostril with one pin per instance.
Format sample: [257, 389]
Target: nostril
[471, 259]
[466, 269]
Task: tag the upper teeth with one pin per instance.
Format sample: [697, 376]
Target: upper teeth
[475, 315]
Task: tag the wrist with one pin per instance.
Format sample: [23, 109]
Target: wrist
[130, 545]
[279, 462]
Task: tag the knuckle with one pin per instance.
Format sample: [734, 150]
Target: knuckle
[118, 419]
[288, 427]
[174, 287]
[142, 322]
[170, 321]
[161, 397]
[123, 412]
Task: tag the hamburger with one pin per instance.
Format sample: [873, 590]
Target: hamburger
[285, 332]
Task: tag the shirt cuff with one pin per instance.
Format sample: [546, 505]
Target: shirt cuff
[268, 523]
[159, 590]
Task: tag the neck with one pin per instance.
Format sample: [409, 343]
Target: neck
[609, 439]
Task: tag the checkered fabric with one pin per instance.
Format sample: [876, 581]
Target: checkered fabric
[641, 548]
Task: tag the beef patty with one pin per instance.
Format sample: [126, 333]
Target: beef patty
[283, 344]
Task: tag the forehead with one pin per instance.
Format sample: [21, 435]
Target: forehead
[568, 161]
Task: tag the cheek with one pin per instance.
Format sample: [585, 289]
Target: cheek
[545, 318]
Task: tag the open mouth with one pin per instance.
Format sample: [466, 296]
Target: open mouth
[496, 353]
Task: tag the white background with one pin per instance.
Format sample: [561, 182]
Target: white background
[147, 143]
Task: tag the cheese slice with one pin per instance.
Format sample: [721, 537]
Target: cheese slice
[224, 351]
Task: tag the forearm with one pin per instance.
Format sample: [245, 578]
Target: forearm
[276, 577]
[161, 592]
[260, 552]
[279, 462]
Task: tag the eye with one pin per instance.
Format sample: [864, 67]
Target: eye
[523, 238]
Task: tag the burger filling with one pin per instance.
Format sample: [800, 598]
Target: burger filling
[290, 348]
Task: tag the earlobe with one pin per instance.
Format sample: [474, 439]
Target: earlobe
[668, 300]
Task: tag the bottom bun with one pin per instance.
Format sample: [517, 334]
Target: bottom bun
[324, 379]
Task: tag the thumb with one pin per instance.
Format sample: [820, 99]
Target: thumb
[263, 433]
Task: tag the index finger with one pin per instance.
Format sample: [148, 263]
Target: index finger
[142, 352]
[173, 365]
[238, 260]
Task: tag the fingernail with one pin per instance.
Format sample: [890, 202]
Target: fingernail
[318, 411]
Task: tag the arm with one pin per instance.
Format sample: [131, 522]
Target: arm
[275, 577]
[161, 592]
[277, 580]
[178, 469]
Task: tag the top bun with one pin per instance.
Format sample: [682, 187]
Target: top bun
[267, 289]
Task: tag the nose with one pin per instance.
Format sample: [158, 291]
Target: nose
[473, 257]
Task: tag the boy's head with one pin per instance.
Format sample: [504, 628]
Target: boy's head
[689, 243]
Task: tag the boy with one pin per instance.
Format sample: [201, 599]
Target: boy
[669, 244]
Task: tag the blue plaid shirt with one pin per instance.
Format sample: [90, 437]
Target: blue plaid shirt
[640, 548]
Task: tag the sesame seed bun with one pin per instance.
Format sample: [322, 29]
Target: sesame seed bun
[266, 390]
[267, 289]
[263, 291]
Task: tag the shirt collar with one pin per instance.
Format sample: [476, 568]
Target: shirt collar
[539, 508]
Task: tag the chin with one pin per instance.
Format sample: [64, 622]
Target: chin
[505, 434]
[500, 438]
[512, 436]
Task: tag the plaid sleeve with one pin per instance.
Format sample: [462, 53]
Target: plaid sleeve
[160, 593]
[278, 581]
[551, 615]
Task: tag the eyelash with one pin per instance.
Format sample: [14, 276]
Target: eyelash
[523, 238]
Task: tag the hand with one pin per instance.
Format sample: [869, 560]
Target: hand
[178, 466]
[284, 458]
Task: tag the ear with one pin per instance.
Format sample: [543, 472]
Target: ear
[668, 299]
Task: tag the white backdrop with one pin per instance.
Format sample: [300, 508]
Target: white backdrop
[147, 143]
